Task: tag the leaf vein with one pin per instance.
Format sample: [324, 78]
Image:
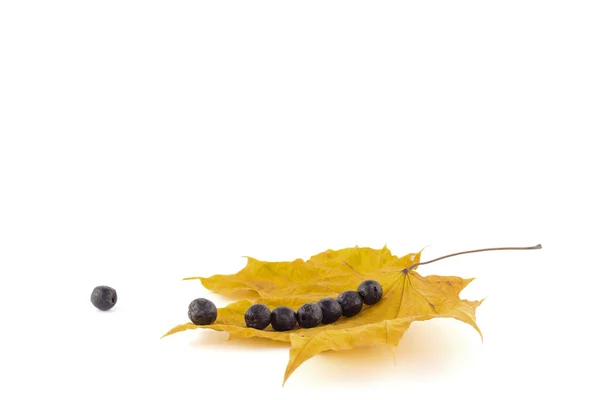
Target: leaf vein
[423, 297]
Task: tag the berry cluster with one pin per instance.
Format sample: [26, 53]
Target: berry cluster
[282, 318]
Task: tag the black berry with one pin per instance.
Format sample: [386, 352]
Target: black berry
[351, 303]
[202, 312]
[104, 297]
[309, 315]
[283, 319]
[370, 291]
[331, 309]
[258, 316]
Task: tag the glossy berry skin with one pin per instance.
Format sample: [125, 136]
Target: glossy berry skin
[283, 319]
[104, 297]
[309, 315]
[258, 316]
[370, 291]
[331, 309]
[351, 303]
[202, 312]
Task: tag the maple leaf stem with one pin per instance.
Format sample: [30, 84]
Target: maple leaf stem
[406, 270]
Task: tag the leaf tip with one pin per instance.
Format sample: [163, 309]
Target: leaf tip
[288, 372]
[474, 325]
[285, 377]
[169, 333]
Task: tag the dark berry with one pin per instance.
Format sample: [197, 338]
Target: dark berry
[370, 291]
[258, 316]
[351, 303]
[309, 315]
[104, 297]
[283, 319]
[332, 311]
[202, 312]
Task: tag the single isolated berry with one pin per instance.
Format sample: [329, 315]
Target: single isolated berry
[202, 312]
[351, 303]
[104, 297]
[370, 291]
[331, 309]
[258, 316]
[309, 315]
[283, 319]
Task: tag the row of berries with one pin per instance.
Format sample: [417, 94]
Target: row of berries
[325, 311]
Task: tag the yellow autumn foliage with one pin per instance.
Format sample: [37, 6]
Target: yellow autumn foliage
[407, 297]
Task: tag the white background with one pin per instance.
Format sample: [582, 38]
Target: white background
[142, 142]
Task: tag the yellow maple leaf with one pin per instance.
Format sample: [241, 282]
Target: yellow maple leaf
[407, 297]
